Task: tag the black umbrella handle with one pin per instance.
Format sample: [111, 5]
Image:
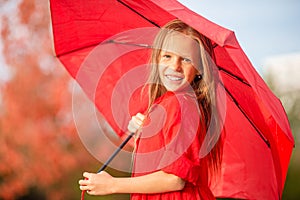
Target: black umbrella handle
[115, 152]
[103, 167]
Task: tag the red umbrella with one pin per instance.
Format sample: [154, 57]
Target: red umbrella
[258, 141]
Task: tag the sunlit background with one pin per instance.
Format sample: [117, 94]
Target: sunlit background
[41, 156]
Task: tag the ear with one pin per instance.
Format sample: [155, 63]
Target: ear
[198, 77]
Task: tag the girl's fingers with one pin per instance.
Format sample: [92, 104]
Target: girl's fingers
[97, 184]
[84, 187]
[87, 175]
[86, 181]
[82, 182]
[132, 127]
[136, 122]
[140, 116]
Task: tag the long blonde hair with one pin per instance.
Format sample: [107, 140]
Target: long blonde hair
[204, 87]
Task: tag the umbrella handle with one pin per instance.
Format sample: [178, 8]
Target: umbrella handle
[111, 158]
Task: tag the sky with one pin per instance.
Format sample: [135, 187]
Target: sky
[264, 28]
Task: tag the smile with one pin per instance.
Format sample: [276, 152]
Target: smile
[173, 78]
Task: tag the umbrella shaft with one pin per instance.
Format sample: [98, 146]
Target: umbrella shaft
[111, 158]
[115, 152]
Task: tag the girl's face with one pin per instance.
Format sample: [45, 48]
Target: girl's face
[178, 61]
[175, 72]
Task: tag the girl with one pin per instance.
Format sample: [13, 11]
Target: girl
[171, 133]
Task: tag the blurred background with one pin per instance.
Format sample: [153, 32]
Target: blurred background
[41, 155]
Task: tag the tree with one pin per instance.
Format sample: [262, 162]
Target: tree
[39, 146]
[291, 103]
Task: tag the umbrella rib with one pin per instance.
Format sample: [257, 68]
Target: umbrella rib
[129, 44]
[108, 41]
[124, 4]
[244, 113]
[233, 75]
[78, 49]
[215, 45]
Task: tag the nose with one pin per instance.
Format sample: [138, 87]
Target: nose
[175, 63]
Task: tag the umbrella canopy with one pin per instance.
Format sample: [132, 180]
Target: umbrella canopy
[258, 141]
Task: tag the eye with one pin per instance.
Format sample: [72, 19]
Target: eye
[186, 60]
[166, 56]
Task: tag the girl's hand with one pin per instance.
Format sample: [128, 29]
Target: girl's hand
[97, 184]
[136, 123]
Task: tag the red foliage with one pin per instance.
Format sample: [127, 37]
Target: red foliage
[39, 146]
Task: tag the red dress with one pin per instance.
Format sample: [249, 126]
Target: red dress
[172, 144]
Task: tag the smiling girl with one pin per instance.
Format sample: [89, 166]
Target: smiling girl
[170, 134]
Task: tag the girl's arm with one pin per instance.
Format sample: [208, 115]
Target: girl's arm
[156, 182]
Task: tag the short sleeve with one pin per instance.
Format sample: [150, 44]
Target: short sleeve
[184, 168]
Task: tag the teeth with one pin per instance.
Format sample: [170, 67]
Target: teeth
[173, 78]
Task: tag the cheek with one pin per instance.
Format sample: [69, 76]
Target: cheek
[190, 74]
[161, 69]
